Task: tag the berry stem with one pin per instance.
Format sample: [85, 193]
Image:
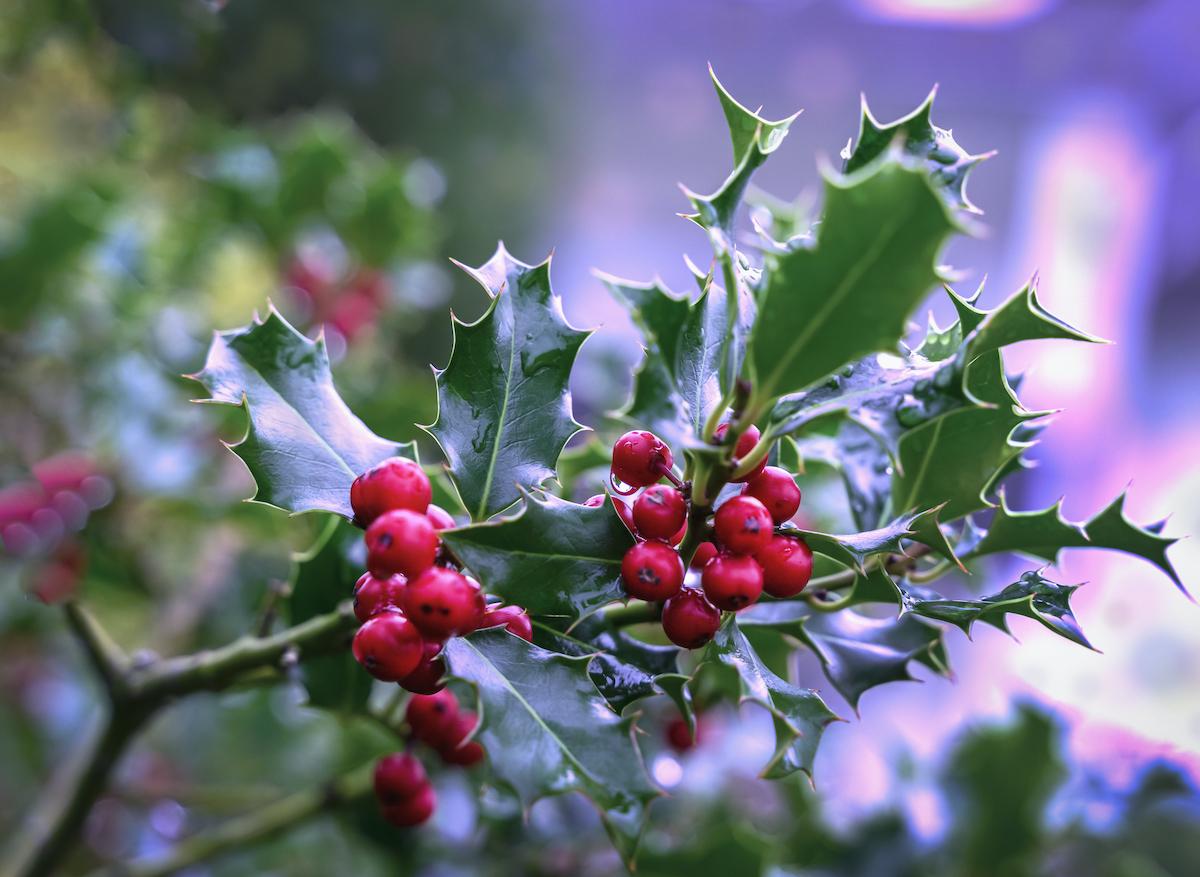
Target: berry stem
[664, 470]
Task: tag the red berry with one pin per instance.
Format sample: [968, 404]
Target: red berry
[776, 489]
[677, 537]
[514, 620]
[732, 581]
[452, 748]
[594, 502]
[443, 602]
[402, 542]
[639, 458]
[427, 678]
[705, 552]
[440, 518]
[786, 563]
[680, 736]
[689, 620]
[431, 715]
[745, 444]
[743, 525]
[398, 776]
[652, 571]
[388, 646]
[659, 512]
[412, 810]
[625, 513]
[372, 595]
[396, 483]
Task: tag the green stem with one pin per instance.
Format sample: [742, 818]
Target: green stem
[262, 824]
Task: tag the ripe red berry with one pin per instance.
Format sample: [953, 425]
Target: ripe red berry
[431, 715]
[398, 776]
[776, 489]
[443, 602]
[625, 513]
[732, 581]
[413, 810]
[786, 563]
[440, 518]
[395, 483]
[745, 444]
[652, 571]
[705, 552]
[680, 736]
[659, 512]
[452, 748]
[402, 542]
[743, 525]
[639, 458]
[427, 678]
[372, 595]
[514, 620]
[388, 646]
[594, 502]
[689, 620]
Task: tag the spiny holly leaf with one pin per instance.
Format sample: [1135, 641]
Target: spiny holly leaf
[548, 731]
[853, 550]
[303, 445]
[1033, 596]
[554, 557]
[323, 577]
[799, 714]
[948, 163]
[849, 294]
[1043, 533]
[624, 669]
[754, 139]
[504, 409]
[1021, 317]
[857, 652]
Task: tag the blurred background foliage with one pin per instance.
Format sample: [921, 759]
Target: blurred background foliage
[165, 169]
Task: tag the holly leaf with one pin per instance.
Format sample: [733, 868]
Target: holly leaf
[548, 731]
[323, 577]
[1021, 317]
[857, 652]
[799, 714]
[554, 557]
[915, 134]
[504, 408]
[850, 293]
[303, 446]
[591, 461]
[1032, 596]
[853, 549]
[1043, 533]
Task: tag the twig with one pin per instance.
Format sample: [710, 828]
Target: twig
[105, 656]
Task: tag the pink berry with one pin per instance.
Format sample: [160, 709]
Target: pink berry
[743, 525]
[452, 748]
[659, 512]
[745, 444]
[401, 541]
[388, 646]
[732, 581]
[705, 552]
[787, 564]
[372, 595]
[413, 810]
[594, 502]
[639, 458]
[776, 489]
[443, 602]
[431, 715]
[680, 736]
[440, 518]
[689, 620]
[652, 571]
[514, 620]
[395, 483]
[427, 677]
[398, 776]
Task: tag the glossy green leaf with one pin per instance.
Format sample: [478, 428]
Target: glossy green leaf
[799, 714]
[857, 652]
[504, 408]
[1021, 317]
[303, 445]
[850, 293]
[548, 731]
[554, 557]
[853, 549]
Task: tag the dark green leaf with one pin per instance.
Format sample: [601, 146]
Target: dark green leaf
[799, 714]
[504, 408]
[554, 558]
[548, 731]
[303, 445]
[853, 549]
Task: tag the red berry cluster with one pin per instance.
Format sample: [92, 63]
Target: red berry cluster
[746, 558]
[412, 597]
[401, 784]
